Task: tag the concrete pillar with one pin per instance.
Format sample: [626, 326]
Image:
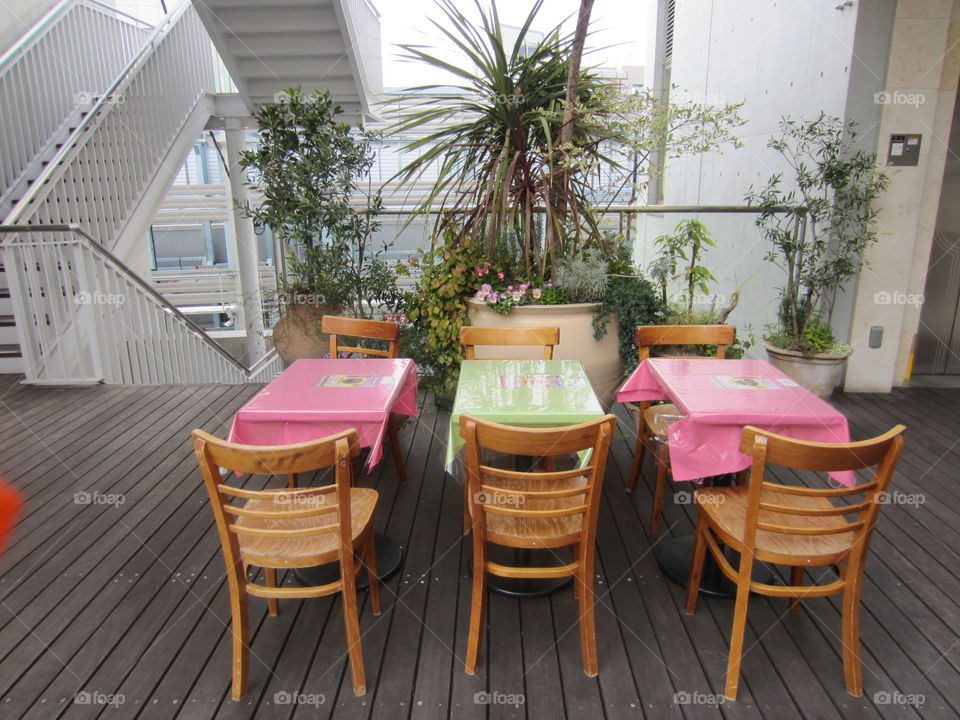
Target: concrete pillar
[244, 242]
[922, 75]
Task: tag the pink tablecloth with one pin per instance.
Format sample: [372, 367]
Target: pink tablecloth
[716, 402]
[315, 398]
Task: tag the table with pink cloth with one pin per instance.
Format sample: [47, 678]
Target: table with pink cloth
[717, 398]
[315, 398]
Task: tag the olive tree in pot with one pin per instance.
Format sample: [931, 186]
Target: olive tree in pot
[820, 245]
[309, 169]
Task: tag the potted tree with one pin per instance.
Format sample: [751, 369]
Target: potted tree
[820, 245]
[309, 169]
[516, 166]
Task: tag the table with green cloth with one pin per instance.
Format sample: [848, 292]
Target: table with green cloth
[531, 393]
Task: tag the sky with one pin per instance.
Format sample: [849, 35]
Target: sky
[617, 25]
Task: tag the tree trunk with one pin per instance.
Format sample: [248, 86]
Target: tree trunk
[573, 79]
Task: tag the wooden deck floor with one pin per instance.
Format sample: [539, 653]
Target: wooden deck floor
[112, 598]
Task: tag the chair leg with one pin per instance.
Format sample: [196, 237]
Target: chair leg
[588, 629]
[852, 671]
[351, 622]
[638, 454]
[739, 625]
[661, 460]
[477, 601]
[395, 448]
[796, 580]
[271, 575]
[696, 564]
[241, 639]
[370, 558]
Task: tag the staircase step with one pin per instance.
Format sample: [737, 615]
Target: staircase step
[10, 351]
[7, 321]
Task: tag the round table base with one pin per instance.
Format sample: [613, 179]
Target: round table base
[674, 560]
[389, 560]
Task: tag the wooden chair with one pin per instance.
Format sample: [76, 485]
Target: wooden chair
[370, 330]
[536, 509]
[286, 528]
[795, 526]
[653, 425]
[471, 336]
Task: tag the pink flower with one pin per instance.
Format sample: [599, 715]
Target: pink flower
[500, 275]
[486, 287]
[480, 295]
[510, 288]
[479, 271]
[537, 292]
[493, 298]
[517, 295]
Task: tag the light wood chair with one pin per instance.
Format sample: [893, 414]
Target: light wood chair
[472, 336]
[291, 528]
[653, 425]
[537, 509]
[795, 526]
[370, 330]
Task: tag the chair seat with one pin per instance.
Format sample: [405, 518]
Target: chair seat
[305, 550]
[726, 507]
[548, 532]
[658, 419]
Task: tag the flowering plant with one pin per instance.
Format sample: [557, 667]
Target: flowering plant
[501, 294]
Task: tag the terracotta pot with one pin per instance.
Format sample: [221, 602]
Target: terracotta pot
[601, 359]
[297, 334]
[819, 373]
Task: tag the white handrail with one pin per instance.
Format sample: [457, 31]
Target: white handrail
[84, 316]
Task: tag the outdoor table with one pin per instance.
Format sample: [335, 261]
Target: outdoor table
[717, 399]
[530, 393]
[314, 398]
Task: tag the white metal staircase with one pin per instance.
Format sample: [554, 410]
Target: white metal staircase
[73, 303]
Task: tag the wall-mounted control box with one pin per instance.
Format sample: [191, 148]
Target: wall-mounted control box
[904, 149]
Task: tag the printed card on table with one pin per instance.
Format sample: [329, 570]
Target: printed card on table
[731, 382]
[532, 381]
[349, 381]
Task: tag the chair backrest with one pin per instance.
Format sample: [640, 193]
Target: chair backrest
[766, 448]
[472, 336]
[651, 335]
[214, 454]
[539, 494]
[368, 329]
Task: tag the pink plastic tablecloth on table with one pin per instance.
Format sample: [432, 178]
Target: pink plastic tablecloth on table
[716, 406]
[298, 406]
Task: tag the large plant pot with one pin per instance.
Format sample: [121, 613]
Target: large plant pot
[601, 359]
[297, 334]
[819, 374]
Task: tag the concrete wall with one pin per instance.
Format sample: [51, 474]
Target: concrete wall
[782, 59]
[924, 62]
[18, 16]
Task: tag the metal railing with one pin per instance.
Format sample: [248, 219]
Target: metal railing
[99, 176]
[84, 316]
[62, 64]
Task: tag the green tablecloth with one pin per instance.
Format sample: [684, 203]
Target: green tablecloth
[532, 393]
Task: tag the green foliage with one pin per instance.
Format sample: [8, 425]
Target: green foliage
[584, 278]
[438, 309]
[818, 338]
[498, 154]
[309, 167]
[634, 301]
[686, 244]
[821, 244]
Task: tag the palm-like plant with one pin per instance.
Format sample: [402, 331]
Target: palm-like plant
[498, 153]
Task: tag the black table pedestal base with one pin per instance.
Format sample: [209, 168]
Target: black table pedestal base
[676, 555]
[389, 560]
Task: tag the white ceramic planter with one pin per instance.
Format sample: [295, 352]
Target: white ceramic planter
[601, 359]
[819, 374]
